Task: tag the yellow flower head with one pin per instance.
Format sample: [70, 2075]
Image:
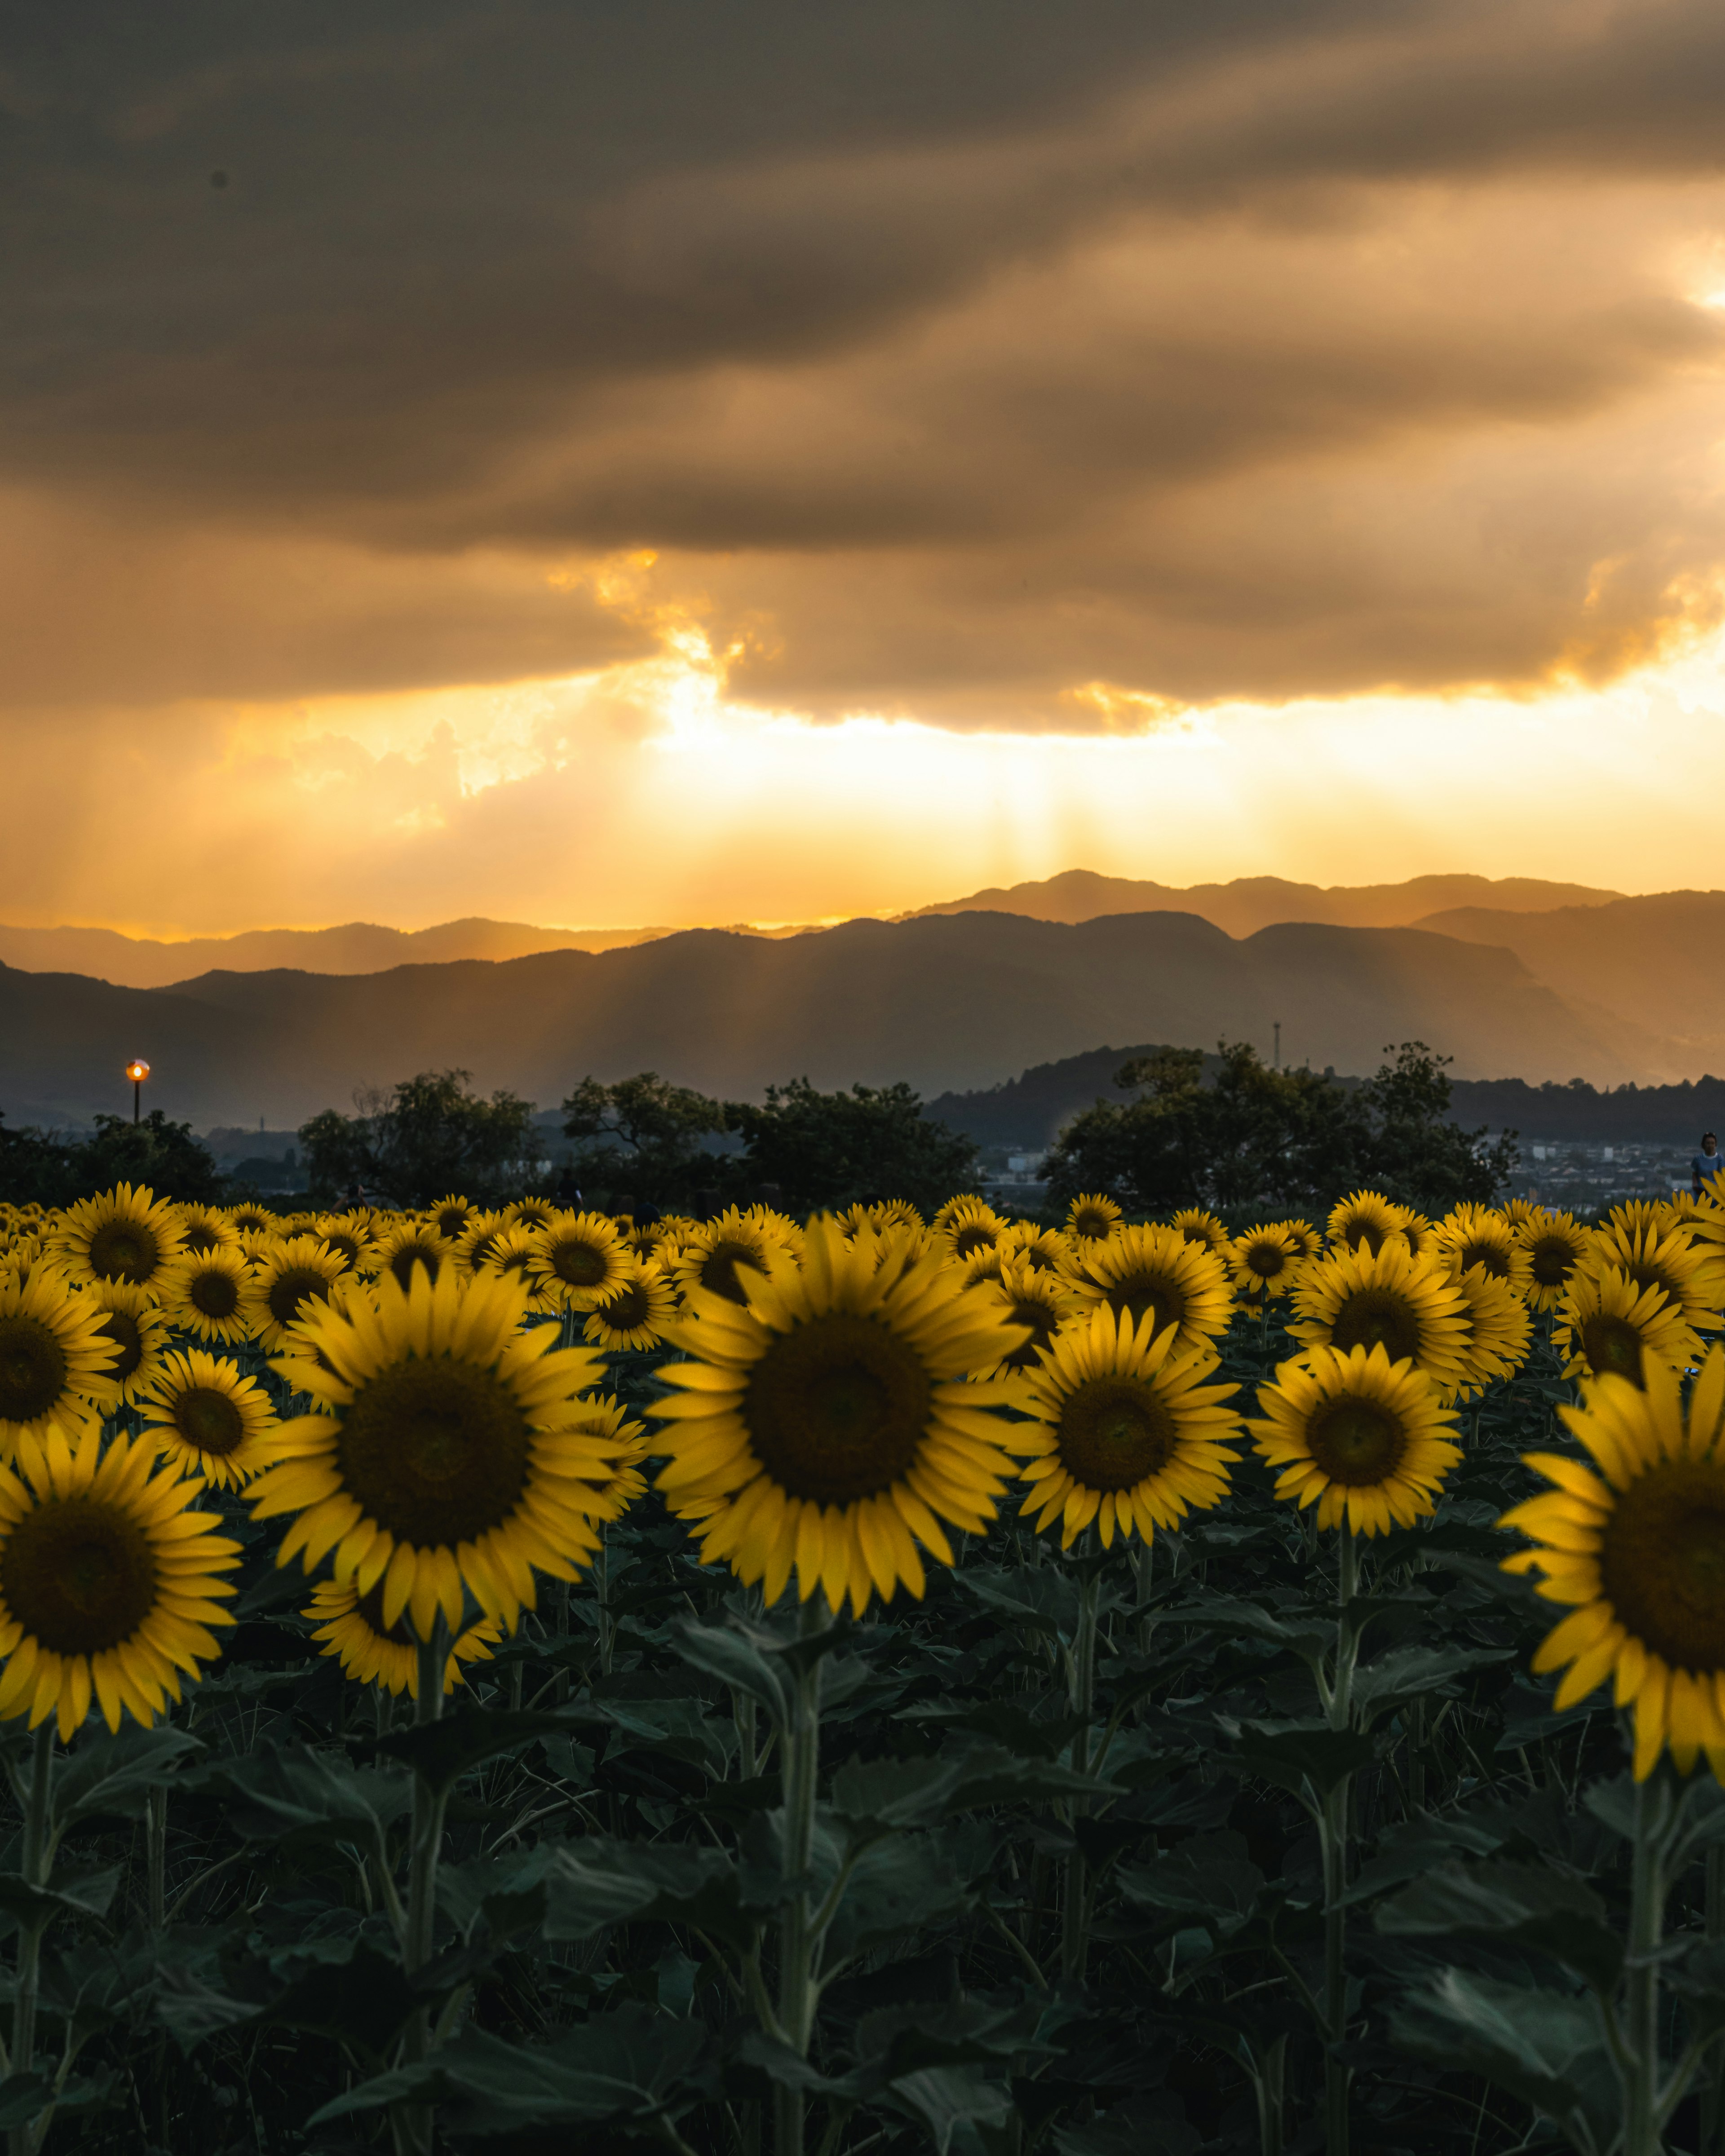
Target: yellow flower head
[56, 1360]
[1156, 1273]
[1126, 1433]
[636, 1315]
[213, 1297]
[1635, 1545]
[351, 1628]
[1367, 1218]
[128, 1234]
[1410, 1306]
[110, 1583]
[1608, 1326]
[580, 1259]
[1365, 1439]
[1475, 1236]
[1556, 1243]
[1093, 1217]
[828, 1425]
[207, 1419]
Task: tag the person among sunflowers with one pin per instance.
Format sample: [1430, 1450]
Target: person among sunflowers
[1705, 1165]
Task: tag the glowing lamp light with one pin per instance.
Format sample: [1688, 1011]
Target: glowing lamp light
[137, 1071]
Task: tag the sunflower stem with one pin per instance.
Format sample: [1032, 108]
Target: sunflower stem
[1712, 2096]
[415, 2125]
[38, 1855]
[1641, 2136]
[799, 1767]
[156, 1847]
[1075, 1932]
[601, 1580]
[1332, 1834]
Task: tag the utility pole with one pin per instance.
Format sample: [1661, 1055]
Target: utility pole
[1278, 1044]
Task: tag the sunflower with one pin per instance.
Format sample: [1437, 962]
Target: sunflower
[56, 1362]
[884, 1213]
[1308, 1243]
[411, 1247]
[1198, 1226]
[969, 1224]
[1608, 1326]
[716, 1254]
[130, 1234]
[215, 1297]
[1499, 1330]
[1093, 1217]
[450, 1216]
[1416, 1231]
[636, 1314]
[109, 1581]
[1475, 1236]
[582, 1258]
[1637, 1549]
[205, 1419]
[1655, 1256]
[1040, 1301]
[1265, 1264]
[1365, 1439]
[352, 1627]
[257, 1218]
[984, 1267]
[446, 1459]
[829, 1425]
[1156, 1272]
[300, 1270]
[350, 1236]
[130, 1320]
[1556, 1243]
[207, 1228]
[1125, 1431]
[1044, 1249]
[513, 1252]
[530, 1213]
[1409, 1306]
[605, 1417]
[1367, 1217]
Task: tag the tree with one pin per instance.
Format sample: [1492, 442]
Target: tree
[833, 1149]
[643, 1138]
[425, 1136]
[1258, 1140]
[39, 1167]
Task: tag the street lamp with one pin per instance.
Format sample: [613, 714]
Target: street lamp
[137, 1071]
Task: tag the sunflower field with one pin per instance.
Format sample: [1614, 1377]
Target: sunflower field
[532, 1680]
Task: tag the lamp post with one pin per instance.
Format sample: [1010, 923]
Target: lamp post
[137, 1071]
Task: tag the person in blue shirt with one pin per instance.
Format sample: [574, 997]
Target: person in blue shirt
[1706, 1164]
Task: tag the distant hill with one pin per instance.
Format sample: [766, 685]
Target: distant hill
[1250, 903]
[946, 1001]
[362, 946]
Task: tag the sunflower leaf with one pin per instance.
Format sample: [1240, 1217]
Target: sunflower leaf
[83, 1894]
[1518, 1904]
[105, 1776]
[441, 1752]
[596, 1882]
[880, 1796]
[1546, 2047]
[1307, 1759]
[1408, 1673]
[1208, 1879]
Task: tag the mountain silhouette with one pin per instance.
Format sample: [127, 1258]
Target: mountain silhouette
[947, 1002]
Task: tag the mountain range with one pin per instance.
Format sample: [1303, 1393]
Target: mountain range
[948, 1002]
[1513, 979]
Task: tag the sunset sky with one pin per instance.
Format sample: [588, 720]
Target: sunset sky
[673, 463]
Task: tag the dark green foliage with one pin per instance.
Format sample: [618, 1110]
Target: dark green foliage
[643, 1139]
[430, 1135]
[825, 1151]
[1260, 1140]
[39, 1168]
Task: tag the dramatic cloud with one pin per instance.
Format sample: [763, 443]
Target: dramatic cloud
[537, 372]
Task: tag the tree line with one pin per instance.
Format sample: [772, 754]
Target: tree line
[1242, 1138]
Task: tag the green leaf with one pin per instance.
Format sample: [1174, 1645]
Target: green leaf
[110, 1776]
[895, 1887]
[86, 1894]
[1302, 1631]
[626, 2070]
[940, 2099]
[1044, 1598]
[442, 1751]
[1145, 2127]
[1208, 1880]
[357, 1995]
[1517, 1904]
[880, 1796]
[596, 1882]
[735, 1660]
[304, 1799]
[1308, 1759]
[1410, 1673]
[22, 2098]
[1546, 2047]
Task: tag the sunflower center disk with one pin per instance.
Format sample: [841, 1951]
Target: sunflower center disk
[718, 1270]
[1662, 1561]
[837, 1409]
[1356, 1441]
[79, 1575]
[1042, 1321]
[1377, 1317]
[1265, 1260]
[436, 1450]
[1553, 1261]
[217, 1295]
[1141, 1291]
[123, 1329]
[1113, 1435]
[969, 1240]
[1613, 1348]
[121, 1251]
[208, 1419]
[32, 1369]
[410, 1254]
[369, 1610]
[290, 1290]
[580, 1264]
[1486, 1254]
[624, 1311]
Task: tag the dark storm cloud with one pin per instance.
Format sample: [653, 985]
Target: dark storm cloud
[981, 352]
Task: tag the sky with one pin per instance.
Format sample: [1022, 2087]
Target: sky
[671, 464]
